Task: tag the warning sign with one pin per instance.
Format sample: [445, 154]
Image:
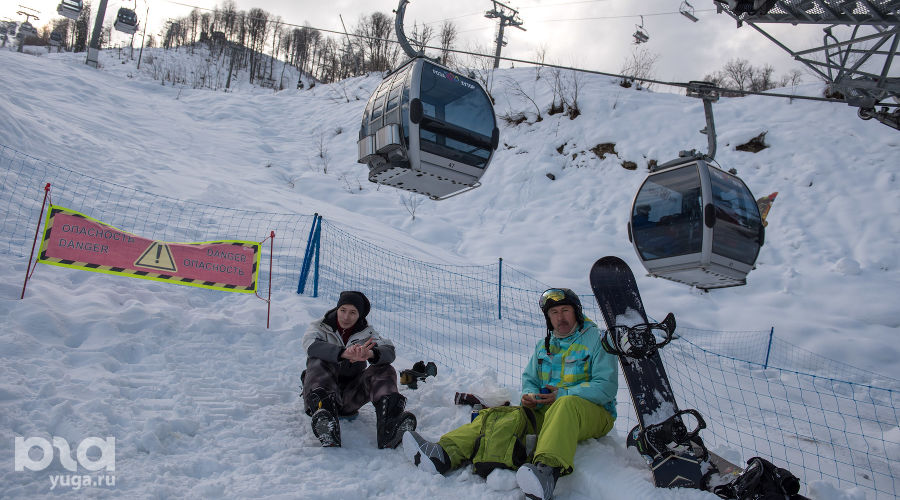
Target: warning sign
[72, 239]
[162, 261]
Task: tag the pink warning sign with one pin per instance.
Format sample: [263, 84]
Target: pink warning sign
[74, 240]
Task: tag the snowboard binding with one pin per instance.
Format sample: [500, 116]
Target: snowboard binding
[638, 341]
[419, 372]
[670, 437]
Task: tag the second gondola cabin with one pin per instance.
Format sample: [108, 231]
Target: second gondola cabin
[696, 224]
[428, 130]
[70, 9]
[126, 21]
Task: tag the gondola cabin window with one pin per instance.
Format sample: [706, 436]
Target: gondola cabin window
[458, 117]
[667, 218]
[737, 229]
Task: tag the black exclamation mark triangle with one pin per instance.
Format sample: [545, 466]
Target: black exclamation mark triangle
[160, 259]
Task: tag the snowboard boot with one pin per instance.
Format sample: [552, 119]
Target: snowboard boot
[537, 480]
[425, 454]
[392, 421]
[325, 423]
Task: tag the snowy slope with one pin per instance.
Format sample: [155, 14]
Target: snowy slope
[202, 398]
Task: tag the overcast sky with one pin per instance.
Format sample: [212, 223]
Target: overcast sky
[591, 34]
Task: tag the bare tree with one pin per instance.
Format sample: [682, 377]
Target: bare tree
[323, 152]
[377, 30]
[740, 73]
[194, 26]
[516, 89]
[420, 37]
[762, 78]
[540, 54]
[449, 32]
[638, 66]
[792, 79]
[276, 36]
[82, 28]
[411, 203]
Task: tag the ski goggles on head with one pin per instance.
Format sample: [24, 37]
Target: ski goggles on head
[553, 294]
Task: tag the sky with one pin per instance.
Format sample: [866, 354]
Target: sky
[202, 397]
[589, 34]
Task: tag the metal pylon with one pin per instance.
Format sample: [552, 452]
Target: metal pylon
[859, 44]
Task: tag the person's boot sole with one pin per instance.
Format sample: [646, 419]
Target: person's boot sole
[327, 429]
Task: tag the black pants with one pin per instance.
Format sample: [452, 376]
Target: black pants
[352, 387]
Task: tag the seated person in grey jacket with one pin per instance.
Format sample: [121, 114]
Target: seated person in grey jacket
[349, 364]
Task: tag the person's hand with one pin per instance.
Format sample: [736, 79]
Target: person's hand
[359, 352]
[528, 400]
[368, 349]
[548, 398]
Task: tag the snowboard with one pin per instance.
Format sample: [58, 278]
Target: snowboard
[676, 454]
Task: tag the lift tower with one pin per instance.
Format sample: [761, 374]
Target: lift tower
[508, 17]
[858, 46]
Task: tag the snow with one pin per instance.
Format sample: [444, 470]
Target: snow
[202, 398]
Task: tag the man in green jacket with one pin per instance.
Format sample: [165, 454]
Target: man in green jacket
[570, 382]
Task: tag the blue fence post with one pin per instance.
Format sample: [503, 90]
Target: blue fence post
[769, 349]
[318, 239]
[307, 256]
[500, 290]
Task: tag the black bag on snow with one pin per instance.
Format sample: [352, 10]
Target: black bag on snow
[762, 480]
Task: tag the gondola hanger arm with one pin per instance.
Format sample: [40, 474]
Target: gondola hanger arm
[401, 36]
[710, 94]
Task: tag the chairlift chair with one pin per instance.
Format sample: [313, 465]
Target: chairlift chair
[428, 130]
[56, 38]
[640, 35]
[695, 224]
[70, 9]
[126, 21]
[687, 10]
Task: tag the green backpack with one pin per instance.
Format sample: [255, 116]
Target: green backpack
[501, 443]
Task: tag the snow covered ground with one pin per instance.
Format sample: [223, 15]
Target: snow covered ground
[202, 398]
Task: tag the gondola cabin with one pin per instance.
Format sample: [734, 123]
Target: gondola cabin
[428, 130]
[126, 21]
[695, 224]
[69, 8]
[26, 30]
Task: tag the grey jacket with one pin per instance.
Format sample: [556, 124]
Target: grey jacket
[324, 342]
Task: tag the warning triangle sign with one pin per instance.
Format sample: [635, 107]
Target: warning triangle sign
[157, 256]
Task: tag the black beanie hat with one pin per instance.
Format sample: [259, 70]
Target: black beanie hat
[357, 300]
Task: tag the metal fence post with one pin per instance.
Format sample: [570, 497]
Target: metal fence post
[318, 239]
[769, 348]
[307, 256]
[500, 290]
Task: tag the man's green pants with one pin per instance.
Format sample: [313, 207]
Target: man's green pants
[561, 426]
